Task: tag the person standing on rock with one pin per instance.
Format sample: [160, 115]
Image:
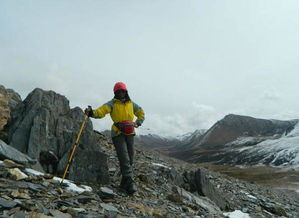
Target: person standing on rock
[122, 111]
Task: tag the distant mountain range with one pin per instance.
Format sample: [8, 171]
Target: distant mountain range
[235, 140]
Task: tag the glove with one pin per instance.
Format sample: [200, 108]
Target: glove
[138, 123]
[88, 111]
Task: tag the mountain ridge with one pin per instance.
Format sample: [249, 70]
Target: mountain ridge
[241, 131]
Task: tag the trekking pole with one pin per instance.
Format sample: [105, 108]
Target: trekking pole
[74, 148]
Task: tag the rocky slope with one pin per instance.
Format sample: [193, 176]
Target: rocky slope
[166, 188]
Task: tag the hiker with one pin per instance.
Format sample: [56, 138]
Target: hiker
[122, 111]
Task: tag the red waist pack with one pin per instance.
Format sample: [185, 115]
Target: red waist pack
[126, 126]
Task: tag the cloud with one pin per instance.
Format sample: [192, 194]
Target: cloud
[198, 116]
[271, 95]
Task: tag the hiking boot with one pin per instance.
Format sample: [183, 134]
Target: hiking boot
[127, 184]
[122, 183]
[131, 189]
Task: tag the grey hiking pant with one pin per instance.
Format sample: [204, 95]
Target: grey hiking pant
[124, 146]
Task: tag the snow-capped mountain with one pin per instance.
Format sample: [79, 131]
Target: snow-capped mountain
[237, 140]
[282, 151]
[156, 141]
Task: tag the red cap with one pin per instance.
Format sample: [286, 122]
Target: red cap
[119, 86]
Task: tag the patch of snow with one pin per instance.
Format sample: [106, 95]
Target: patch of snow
[190, 135]
[161, 165]
[72, 187]
[243, 149]
[284, 150]
[276, 152]
[184, 137]
[33, 172]
[1, 163]
[294, 132]
[241, 141]
[237, 214]
[251, 196]
[66, 181]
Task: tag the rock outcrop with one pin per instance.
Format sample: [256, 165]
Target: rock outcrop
[44, 121]
[13, 99]
[4, 108]
[9, 99]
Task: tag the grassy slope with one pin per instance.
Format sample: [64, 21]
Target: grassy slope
[269, 176]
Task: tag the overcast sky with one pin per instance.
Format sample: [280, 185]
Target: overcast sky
[187, 63]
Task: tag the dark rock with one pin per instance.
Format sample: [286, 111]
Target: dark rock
[83, 199]
[42, 209]
[68, 203]
[35, 187]
[174, 197]
[106, 193]
[18, 214]
[206, 188]
[44, 124]
[57, 213]
[274, 209]
[88, 166]
[175, 177]
[7, 204]
[109, 207]
[75, 212]
[8, 152]
[13, 99]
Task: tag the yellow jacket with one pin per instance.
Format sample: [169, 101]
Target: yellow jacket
[120, 111]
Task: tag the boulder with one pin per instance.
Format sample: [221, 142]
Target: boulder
[44, 122]
[87, 166]
[206, 187]
[38, 111]
[8, 152]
